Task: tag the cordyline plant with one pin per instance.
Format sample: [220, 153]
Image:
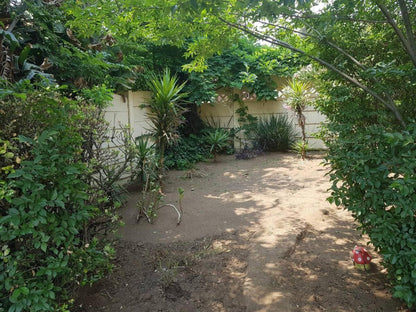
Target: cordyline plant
[297, 95]
[165, 110]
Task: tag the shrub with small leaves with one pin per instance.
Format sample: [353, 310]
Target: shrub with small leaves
[373, 175]
[186, 152]
[45, 206]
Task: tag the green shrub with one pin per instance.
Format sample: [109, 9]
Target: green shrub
[273, 134]
[43, 252]
[373, 175]
[47, 246]
[146, 161]
[186, 152]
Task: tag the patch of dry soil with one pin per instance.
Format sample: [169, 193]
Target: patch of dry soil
[256, 235]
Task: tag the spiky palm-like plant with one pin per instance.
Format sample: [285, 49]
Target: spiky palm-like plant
[275, 133]
[218, 140]
[165, 110]
[297, 94]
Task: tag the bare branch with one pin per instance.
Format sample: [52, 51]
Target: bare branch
[12, 25]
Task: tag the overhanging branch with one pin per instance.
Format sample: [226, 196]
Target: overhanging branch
[409, 30]
[388, 103]
[399, 33]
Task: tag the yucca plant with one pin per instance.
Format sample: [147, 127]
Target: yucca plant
[165, 110]
[272, 134]
[297, 94]
[146, 161]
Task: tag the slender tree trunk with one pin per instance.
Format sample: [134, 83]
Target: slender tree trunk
[302, 124]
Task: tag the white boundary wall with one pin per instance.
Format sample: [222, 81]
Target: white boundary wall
[224, 113]
[126, 110]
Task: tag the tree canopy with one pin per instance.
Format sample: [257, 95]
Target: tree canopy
[363, 52]
[205, 27]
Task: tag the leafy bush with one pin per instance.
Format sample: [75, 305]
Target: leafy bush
[48, 246]
[186, 152]
[373, 175]
[43, 252]
[273, 134]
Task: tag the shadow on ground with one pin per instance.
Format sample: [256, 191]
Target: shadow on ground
[256, 235]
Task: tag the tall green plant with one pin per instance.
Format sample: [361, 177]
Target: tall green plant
[165, 110]
[297, 95]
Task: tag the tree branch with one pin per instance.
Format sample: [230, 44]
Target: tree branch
[341, 18]
[398, 32]
[12, 25]
[388, 103]
[409, 29]
[333, 45]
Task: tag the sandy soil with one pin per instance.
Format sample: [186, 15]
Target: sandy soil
[256, 235]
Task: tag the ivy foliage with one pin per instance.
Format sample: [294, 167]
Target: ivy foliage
[246, 65]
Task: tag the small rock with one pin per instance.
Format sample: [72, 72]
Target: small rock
[146, 297]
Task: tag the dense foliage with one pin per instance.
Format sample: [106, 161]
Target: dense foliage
[371, 131]
[36, 42]
[373, 174]
[246, 65]
[186, 152]
[48, 246]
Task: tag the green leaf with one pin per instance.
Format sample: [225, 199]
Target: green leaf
[23, 55]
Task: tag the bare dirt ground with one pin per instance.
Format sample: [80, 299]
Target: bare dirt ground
[256, 235]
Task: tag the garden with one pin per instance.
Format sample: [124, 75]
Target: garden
[181, 218]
